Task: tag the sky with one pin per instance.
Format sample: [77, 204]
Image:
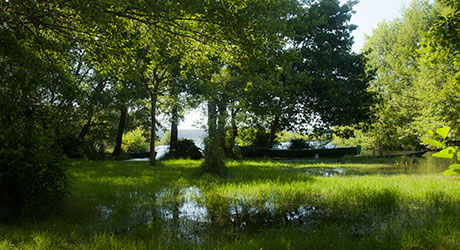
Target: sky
[368, 14]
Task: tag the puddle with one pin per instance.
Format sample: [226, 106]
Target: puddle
[326, 172]
[185, 214]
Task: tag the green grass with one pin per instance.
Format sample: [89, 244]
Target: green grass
[366, 203]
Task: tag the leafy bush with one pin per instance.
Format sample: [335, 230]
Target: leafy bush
[254, 137]
[74, 148]
[165, 140]
[286, 136]
[92, 150]
[32, 177]
[185, 149]
[134, 141]
[298, 143]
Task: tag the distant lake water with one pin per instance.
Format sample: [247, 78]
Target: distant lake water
[188, 133]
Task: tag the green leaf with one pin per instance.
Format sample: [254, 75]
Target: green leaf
[451, 172]
[446, 153]
[454, 166]
[429, 131]
[433, 143]
[443, 132]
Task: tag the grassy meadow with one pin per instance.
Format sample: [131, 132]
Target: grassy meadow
[348, 203]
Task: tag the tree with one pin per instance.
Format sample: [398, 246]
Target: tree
[392, 53]
[316, 79]
[437, 87]
[35, 94]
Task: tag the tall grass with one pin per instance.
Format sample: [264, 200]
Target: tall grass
[260, 204]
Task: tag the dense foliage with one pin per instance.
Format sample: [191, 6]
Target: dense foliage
[298, 143]
[415, 60]
[184, 149]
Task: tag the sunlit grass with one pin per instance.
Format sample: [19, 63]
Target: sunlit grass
[365, 203]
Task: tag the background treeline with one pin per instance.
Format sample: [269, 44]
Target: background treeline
[415, 59]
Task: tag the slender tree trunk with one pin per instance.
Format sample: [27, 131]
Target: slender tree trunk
[85, 129]
[273, 129]
[152, 154]
[174, 131]
[212, 119]
[222, 109]
[233, 135]
[121, 127]
[234, 129]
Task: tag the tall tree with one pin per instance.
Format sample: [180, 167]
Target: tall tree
[393, 56]
[437, 87]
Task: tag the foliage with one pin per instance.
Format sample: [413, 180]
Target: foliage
[446, 152]
[333, 82]
[299, 143]
[253, 137]
[392, 53]
[438, 86]
[185, 149]
[287, 136]
[165, 139]
[416, 77]
[33, 94]
[134, 141]
[32, 175]
[346, 136]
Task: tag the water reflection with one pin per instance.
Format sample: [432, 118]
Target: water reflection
[326, 172]
[187, 213]
[431, 165]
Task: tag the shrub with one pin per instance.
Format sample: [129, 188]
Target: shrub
[298, 143]
[134, 141]
[254, 137]
[73, 147]
[32, 177]
[185, 149]
[165, 140]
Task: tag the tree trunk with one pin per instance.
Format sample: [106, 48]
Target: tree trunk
[213, 153]
[121, 127]
[152, 154]
[212, 119]
[233, 135]
[222, 109]
[85, 129]
[273, 130]
[174, 131]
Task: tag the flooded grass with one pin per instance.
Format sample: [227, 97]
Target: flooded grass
[348, 203]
